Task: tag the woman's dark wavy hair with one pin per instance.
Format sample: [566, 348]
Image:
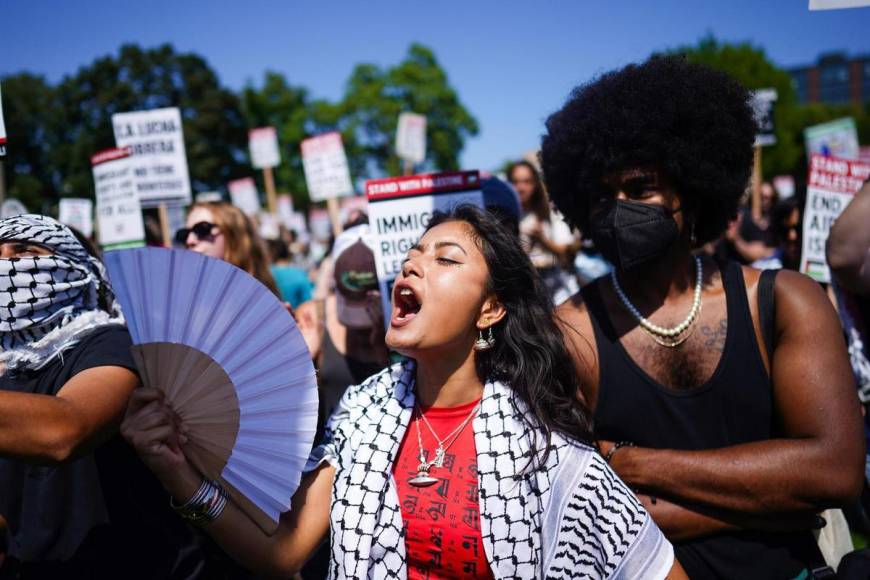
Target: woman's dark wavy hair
[529, 354]
[539, 204]
[693, 123]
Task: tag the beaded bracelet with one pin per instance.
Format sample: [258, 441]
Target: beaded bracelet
[205, 505]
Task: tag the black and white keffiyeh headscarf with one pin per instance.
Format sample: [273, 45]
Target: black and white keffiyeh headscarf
[569, 518]
[49, 303]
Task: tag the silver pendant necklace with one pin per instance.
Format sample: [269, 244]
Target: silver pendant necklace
[423, 479]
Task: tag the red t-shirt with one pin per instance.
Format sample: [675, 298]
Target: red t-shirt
[442, 521]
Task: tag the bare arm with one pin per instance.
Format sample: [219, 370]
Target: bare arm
[151, 428]
[817, 462]
[57, 428]
[848, 249]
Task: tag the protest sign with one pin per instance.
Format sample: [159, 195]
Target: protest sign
[119, 213]
[831, 185]
[2, 129]
[263, 144]
[78, 213]
[411, 137]
[835, 139]
[156, 143]
[319, 224]
[285, 206]
[837, 4]
[400, 209]
[269, 226]
[325, 164]
[762, 107]
[244, 194]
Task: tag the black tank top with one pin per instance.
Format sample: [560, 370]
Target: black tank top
[734, 406]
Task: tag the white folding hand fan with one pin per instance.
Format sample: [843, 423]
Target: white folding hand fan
[232, 365]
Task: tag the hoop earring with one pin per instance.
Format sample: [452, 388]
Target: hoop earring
[484, 343]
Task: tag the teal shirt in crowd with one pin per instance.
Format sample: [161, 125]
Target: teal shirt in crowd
[293, 284]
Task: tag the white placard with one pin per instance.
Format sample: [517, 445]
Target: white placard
[411, 137]
[400, 209]
[244, 194]
[762, 107]
[285, 206]
[263, 144]
[156, 143]
[836, 4]
[319, 224]
[325, 164]
[2, 129]
[119, 213]
[835, 139]
[269, 226]
[78, 213]
[831, 185]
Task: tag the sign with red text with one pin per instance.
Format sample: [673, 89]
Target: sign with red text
[831, 184]
[263, 144]
[2, 129]
[325, 164]
[78, 213]
[119, 213]
[400, 209]
[156, 143]
[411, 137]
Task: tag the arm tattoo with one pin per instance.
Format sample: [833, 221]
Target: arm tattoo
[715, 337]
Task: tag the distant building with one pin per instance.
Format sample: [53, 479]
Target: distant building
[834, 80]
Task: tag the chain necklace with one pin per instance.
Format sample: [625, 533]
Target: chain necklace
[423, 479]
[669, 337]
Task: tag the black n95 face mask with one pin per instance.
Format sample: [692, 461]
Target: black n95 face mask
[630, 233]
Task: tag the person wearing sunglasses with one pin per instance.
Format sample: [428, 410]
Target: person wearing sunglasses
[223, 231]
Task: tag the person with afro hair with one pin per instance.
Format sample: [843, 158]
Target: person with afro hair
[722, 396]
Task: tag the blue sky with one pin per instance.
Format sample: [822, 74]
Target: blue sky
[512, 63]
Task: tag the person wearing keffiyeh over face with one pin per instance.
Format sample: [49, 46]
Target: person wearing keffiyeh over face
[74, 501]
[470, 459]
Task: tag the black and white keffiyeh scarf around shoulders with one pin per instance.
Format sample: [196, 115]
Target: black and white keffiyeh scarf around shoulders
[571, 517]
[49, 303]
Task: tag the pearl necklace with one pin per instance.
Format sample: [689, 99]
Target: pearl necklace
[654, 329]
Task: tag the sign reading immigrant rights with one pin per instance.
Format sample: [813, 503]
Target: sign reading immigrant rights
[400, 209]
[263, 144]
[156, 143]
[119, 213]
[831, 185]
[325, 164]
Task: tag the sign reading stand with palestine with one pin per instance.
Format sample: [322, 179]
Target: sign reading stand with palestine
[831, 185]
[156, 142]
[400, 209]
[119, 213]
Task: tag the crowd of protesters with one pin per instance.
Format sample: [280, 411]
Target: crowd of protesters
[612, 370]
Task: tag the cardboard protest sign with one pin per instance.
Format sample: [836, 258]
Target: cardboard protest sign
[400, 209]
[244, 194]
[156, 143]
[411, 137]
[831, 184]
[78, 213]
[263, 144]
[119, 213]
[763, 101]
[836, 139]
[2, 129]
[325, 164]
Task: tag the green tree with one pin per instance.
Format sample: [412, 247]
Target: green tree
[74, 121]
[278, 104]
[749, 64]
[368, 114]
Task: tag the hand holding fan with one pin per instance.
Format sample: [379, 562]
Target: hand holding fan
[231, 363]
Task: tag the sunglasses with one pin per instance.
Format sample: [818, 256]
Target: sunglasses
[201, 230]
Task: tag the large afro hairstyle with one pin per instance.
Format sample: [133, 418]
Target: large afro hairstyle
[691, 122]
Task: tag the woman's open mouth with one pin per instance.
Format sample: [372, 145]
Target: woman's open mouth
[406, 305]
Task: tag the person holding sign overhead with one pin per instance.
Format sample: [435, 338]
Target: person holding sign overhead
[470, 458]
